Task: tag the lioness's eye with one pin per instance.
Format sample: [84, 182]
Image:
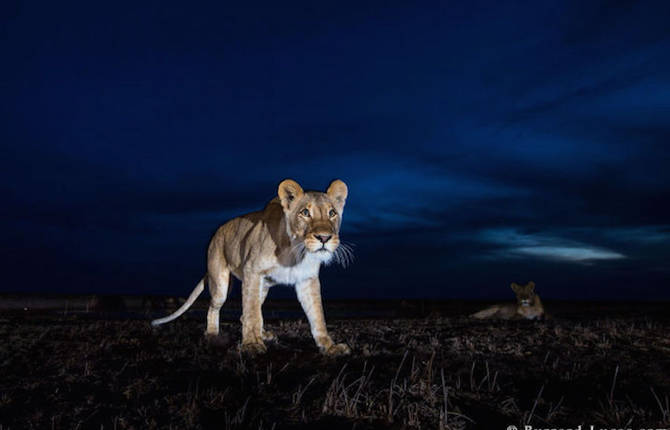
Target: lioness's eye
[332, 213]
[304, 212]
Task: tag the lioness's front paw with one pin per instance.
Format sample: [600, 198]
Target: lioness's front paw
[268, 336]
[337, 350]
[253, 348]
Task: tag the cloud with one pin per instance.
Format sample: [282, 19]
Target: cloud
[566, 253]
[514, 244]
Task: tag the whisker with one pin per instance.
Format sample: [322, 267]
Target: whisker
[344, 255]
[347, 249]
[337, 258]
[340, 258]
[298, 250]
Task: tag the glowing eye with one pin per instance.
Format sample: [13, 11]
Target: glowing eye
[332, 213]
[304, 212]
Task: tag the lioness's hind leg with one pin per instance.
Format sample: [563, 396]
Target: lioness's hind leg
[489, 312]
[219, 282]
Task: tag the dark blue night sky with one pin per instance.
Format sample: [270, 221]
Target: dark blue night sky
[482, 142]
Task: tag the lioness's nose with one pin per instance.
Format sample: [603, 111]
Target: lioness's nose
[323, 238]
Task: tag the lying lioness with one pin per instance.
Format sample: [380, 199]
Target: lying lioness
[285, 243]
[528, 305]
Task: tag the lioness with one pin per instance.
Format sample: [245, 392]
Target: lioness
[528, 305]
[285, 243]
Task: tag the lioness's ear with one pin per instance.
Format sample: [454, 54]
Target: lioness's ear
[338, 191]
[530, 286]
[288, 192]
[515, 287]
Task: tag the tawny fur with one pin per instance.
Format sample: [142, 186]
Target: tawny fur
[528, 306]
[284, 243]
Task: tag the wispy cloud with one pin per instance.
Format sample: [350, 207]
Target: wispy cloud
[567, 253]
[516, 244]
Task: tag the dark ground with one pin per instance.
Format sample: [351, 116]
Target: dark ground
[414, 365]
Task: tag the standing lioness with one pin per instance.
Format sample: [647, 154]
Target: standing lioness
[285, 243]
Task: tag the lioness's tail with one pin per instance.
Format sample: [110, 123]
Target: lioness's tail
[486, 313]
[187, 304]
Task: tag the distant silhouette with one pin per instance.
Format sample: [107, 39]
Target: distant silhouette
[528, 305]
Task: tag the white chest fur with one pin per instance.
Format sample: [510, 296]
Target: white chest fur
[530, 312]
[307, 268]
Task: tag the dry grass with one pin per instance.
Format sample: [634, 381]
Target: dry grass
[76, 371]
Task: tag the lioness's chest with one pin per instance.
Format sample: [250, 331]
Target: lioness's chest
[307, 268]
[531, 312]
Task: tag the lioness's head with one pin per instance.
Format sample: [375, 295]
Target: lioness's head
[313, 218]
[525, 294]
